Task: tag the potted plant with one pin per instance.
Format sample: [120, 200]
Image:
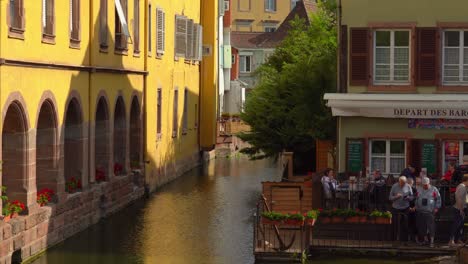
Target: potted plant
[385, 218]
[118, 169]
[325, 216]
[6, 209]
[72, 185]
[100, 175]
[15, 208]
[272, 218]
[295, 219]
[311, 217]
[337, 216]
[374, 215]
[362, 215]
[44, 196]
[352, 216]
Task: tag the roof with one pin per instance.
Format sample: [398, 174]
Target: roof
[262, 40]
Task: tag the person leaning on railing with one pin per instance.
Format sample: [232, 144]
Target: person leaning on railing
[400, 196]
[456, 233]
[329, 185]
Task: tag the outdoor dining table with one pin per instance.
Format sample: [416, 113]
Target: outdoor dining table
[352, 190]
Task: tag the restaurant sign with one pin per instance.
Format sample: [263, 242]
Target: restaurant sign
[401, 112]
[438, 123]
[430, 113]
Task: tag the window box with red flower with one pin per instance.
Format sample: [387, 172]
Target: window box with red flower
[73, 185]
[118, 169]
[100, 175]
[295, 219]
[311, 217]
[325, 216]
[272, 218]
[44, 196]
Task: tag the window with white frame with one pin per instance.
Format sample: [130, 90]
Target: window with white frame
[245, 64]
[389, 156]
[455, 57]
[392, 56]
[270, 29]
[270, 5]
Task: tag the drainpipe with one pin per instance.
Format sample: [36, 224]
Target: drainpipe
[143, 98]
[90, 63]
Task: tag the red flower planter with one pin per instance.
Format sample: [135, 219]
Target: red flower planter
[352, 220]
[292, 222]
[362, 219]
[337, 219]
[325, 219]
[267, 221]
[6, 218]
[311, 222]
[383, 221]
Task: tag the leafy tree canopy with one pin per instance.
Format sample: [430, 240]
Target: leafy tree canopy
[286, 111]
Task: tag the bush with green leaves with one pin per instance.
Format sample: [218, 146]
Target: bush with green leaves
[312, 214]
[274, 216]
[295, 216]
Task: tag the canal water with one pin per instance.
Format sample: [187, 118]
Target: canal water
[204, 217]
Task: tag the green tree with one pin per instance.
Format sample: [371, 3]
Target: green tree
[286, 111]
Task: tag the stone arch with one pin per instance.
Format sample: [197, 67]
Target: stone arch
[73, 140]
[101, 139]
[135, 134]
[46, 147]
[15, 152]
[120, 135]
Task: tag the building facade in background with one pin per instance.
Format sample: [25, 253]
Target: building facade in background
[100, 99]
[259, 15]
[403, 82]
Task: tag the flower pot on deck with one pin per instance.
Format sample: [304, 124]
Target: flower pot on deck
[325, 219]
[311, 222]
[6, 218]
[267, 221]
[293, 222]
[337, 220]
[363, 219]
[383, 221]
[352, 220]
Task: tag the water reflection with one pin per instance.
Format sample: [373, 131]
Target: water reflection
[203, 217]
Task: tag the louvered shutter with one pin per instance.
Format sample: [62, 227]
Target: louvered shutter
[189, 49]
[200, 42]
[175, 122]
[359, 56]
[71, 18]
[22, 15]
[195, 41]
[343, 59]
[181, 36]
[103, 24]
[136, 20]
[426, 56]
[44, 15]
[160, 24]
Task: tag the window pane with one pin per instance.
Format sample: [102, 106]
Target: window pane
[452, 56]
[401, 38]
[378, 164]
[401, 55]
[465, 148]
[379, 147]
[397, 147]
[452, 39]
[382, 38]
[382, 72]
[451, 74]
[465, 56]
[465, 74]
[401, 73]
[397, 165]
[465, 39]
[382, 55]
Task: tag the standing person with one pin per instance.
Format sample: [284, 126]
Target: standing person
[409, 172]
[427, 204]
[413, 229]
[378, 190]
[400, 196]
[329, 185]
[459, 172]
[459, 208]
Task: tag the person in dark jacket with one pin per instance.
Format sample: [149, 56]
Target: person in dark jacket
[378, 190]
[459, 172]
[409, 172]
[412, 227]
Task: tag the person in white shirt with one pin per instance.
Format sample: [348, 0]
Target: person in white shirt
[460, 207]
[329, 185]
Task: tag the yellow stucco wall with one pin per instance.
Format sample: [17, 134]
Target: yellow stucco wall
[425, 13]
[163, 72]
[240, 10]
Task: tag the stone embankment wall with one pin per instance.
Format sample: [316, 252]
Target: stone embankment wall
[25, 236]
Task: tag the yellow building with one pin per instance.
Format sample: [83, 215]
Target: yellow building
[259, 15]
[92, 90]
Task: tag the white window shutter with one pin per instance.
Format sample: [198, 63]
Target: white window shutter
[181, 36]
[200, 42]
[163, 31]
[189, 39]
[71, 16]
[44, 13]
[160, 31]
